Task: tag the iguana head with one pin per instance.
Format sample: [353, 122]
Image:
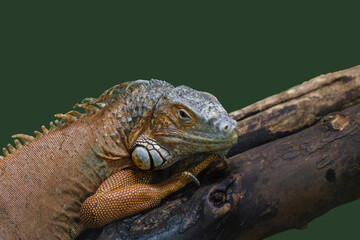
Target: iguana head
[183, 122]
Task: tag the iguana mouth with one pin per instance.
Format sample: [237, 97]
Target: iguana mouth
[193, 138]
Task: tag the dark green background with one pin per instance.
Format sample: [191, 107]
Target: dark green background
[54, 55]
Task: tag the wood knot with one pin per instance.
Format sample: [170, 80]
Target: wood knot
[218, 198]
[335, 121]
[330, 175]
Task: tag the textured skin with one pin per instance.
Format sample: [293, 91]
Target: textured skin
[88, 165]
[128, 192]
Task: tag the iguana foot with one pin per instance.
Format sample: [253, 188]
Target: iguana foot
[128, 192]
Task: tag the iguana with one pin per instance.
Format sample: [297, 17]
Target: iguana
[91, 168]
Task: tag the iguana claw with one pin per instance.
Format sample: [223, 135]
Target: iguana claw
[189, 175]
[223, 159]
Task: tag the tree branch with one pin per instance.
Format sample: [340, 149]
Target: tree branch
[293, 110]
[297, 157]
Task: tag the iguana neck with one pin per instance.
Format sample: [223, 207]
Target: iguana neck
[128, 117]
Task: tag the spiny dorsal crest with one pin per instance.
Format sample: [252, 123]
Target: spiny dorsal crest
[89, 105]
[26, 139]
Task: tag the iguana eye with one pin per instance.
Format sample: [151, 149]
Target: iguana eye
[184, 116]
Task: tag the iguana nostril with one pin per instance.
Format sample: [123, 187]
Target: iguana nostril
[224, 127]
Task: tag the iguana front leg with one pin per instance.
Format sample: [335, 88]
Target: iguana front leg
[128, 192]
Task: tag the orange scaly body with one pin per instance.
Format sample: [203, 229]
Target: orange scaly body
[44, 183]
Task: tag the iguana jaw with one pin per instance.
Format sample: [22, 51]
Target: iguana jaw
[152, 153]
[212, 144]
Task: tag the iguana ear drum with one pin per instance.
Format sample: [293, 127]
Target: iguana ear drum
[145, 159]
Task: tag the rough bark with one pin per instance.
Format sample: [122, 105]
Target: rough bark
[297, 157]
[293, 110]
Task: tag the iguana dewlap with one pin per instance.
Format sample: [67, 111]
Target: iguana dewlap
[95, 167]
